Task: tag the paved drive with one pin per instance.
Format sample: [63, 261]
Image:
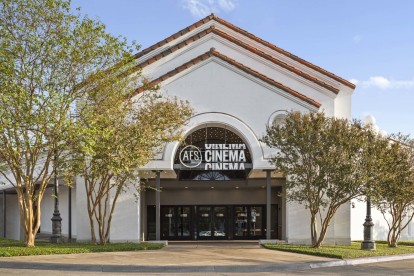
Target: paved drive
[235, 258]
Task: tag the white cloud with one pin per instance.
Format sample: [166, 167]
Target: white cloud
[227, 5]
[384, 83]
[202, 8]
[377, 81]
[354, 81]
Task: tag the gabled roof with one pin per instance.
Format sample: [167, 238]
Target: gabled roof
[214, 53]
[214, 30]
[249, 35]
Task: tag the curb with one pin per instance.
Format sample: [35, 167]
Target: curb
[155, 269]
[367, 260]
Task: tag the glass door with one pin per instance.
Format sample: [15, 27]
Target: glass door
[204, 222]
[220, 222]
[240, 222]
[168, 222]
[256, 222]
[184, 222]
[212, 222]
[249, 222]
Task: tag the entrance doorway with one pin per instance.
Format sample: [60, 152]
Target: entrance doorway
[249, 222]
[212, 223]
[176, 222]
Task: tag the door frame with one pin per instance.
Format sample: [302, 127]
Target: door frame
[176, 222]
[212, 220]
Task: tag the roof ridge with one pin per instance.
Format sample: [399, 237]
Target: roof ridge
[175, 35]
[213, 29]
[213, 52]
[251, 36]
[286, 53]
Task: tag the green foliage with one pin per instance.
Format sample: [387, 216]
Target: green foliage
[326, 163]
[393, 196]
[342, 251]
[115, 135]
[10, 248]
[49, 58]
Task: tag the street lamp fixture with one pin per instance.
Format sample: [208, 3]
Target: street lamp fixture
[368, 243]
[56, 219]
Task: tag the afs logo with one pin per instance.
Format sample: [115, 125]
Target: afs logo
[190, 156]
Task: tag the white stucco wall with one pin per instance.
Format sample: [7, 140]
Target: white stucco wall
[47, 209]
[358, 214]
[13, 226]
[217, 87]
[83, 232]
[298, 225]
[125, 226]
[247, 58]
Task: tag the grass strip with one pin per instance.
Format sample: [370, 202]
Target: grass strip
[344, 251]
[10, 248]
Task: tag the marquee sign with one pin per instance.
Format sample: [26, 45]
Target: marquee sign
[222, 157]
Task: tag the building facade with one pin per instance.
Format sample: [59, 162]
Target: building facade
[219, 184]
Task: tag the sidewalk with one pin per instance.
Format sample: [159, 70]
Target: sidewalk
[176, 257]
[191, 257]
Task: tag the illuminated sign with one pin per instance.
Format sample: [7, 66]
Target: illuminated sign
[214, 157]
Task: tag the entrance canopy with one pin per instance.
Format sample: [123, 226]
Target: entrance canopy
[231, 129]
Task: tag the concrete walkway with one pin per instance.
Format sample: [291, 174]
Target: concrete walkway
[180, 257]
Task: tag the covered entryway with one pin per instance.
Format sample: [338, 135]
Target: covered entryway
[214, 196]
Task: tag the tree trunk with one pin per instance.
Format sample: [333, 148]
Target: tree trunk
[92, 224]
[393, 235]
[90, 208]
[28, 216]
[314, 232]
[324, 228]
[30, 240]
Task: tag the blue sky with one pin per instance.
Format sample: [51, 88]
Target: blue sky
[370, 42]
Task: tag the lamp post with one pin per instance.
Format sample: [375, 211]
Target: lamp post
[56, 219]
[368, 243]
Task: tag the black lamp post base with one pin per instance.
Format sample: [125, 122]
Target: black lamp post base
[368, 245]
[56, 228]
[56, 239]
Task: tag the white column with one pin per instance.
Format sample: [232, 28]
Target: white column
[268, 204]
[157, 207]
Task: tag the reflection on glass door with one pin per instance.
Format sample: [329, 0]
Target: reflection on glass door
[212, 222]
[220, 217]
[204, 222]
[240, 221]
[256, 221]
[248, 222]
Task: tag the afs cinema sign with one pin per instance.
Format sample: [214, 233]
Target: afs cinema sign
[214, 157]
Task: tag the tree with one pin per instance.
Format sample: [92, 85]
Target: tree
[49, 57]
[324, 162]
[117, 135]
[393, 196]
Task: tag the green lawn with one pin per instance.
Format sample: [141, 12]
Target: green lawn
[346, 251]
[9, 248]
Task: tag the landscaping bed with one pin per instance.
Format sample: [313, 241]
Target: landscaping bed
[9, 248]
[345, 251]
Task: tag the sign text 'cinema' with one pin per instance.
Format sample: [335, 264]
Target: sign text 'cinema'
[215, 157]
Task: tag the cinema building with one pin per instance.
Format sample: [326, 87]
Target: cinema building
[219, 184]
